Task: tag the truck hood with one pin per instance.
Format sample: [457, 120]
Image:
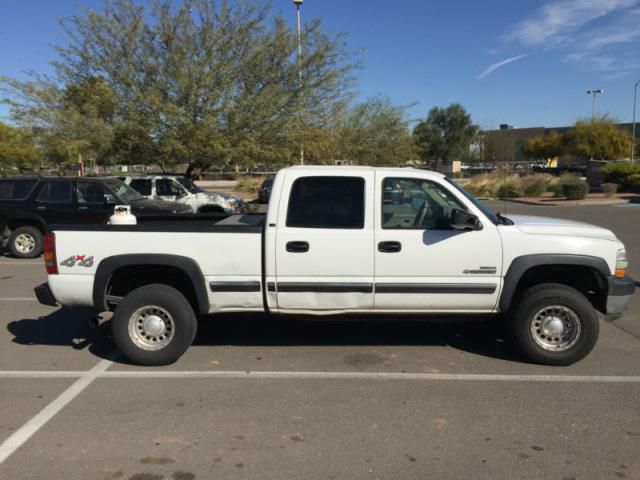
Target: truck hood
[558, 226]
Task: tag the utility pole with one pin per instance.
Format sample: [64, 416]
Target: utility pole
[298, 4]
[593, 94]
[633, 128]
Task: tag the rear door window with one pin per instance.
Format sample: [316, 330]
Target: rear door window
[56, 191]
[142, 186]
[16, 189]
[327, 202]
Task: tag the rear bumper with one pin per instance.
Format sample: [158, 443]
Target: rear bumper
[621, 292]
[44, 295]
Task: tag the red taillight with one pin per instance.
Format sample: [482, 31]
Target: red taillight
[50, 253]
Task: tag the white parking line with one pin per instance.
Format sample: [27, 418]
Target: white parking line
[154, 374]
[18, 299]
[24, 433]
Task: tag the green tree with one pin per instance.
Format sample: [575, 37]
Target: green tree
[202, 82]
[600, 139]
[17, 148]
[545, 146]
[445, 134]
[374, 132]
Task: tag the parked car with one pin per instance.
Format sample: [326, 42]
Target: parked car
[182, 190]
[28, 205]
[333, 242]
[265, 190]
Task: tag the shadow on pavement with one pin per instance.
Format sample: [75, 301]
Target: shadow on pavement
[64, 328]
[486, 337]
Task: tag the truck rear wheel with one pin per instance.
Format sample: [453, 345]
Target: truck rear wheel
[554, 324]
[25, 242]
[154, 325]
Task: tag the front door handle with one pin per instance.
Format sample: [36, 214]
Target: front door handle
[389, 247]
[297, 247]
[41, 207]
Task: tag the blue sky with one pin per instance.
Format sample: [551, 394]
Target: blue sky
[527, 63]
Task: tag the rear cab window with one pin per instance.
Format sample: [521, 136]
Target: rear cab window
[16, 188]
[327, 202]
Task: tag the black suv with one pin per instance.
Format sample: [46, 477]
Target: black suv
[29, 204]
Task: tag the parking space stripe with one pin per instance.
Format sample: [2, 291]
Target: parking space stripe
[24, 433]
[168, 374]
[18, 299]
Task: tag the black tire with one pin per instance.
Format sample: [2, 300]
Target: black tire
[154, 300]
[211, 209]
[17, 245]
[524, 331]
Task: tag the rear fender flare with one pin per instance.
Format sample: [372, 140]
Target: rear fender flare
[109, 265]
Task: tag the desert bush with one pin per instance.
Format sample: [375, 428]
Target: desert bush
[620, 173]
[249, 184]
[609, 189]
[633, 182]
[535, 185]
[557, 186]
[509, 188]
[483, 186]
[575, 191]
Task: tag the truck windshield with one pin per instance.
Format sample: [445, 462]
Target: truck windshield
[123, 191]
[481, 206]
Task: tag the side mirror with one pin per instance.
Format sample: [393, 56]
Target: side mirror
[461, 220]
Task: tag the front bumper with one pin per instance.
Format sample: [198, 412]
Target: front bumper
[44, 295]
[621, 292]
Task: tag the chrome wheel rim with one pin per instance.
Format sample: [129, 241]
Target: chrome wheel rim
[556, 328]
[25, 243]
[151, 327]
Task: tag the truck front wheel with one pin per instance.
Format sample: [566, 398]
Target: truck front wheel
[553, 324]
[154, 325]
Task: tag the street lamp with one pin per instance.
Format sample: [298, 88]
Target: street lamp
[298, 4]
[633, 128]
[593, 93]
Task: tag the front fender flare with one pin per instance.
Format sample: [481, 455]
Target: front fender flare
[520, 265]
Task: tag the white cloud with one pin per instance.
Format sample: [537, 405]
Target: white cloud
[555, 21]
[492, 68]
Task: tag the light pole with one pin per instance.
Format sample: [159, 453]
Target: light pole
[298, 4]
[593, 94]
[633, 127]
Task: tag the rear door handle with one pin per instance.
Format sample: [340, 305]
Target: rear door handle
[41, 207]
[297, 247]
[389, 247]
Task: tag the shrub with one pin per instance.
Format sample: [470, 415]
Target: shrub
[249, 185]
[620, 173]
[633, 182]
[574, 191]
[483, 186]
[609, 189]
[535, 185]
[557, 186]
[509, 188]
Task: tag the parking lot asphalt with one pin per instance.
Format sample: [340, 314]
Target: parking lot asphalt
[268, 397]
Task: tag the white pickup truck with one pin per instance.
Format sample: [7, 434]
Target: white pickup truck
[346, 240]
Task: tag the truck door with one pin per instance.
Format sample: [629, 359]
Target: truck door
[92, 206]
[54, 202]
[421, 262]
[324, 242]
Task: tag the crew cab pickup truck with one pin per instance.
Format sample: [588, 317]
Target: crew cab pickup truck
[346, 240]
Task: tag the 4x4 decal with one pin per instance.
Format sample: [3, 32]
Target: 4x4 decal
[79, 260]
